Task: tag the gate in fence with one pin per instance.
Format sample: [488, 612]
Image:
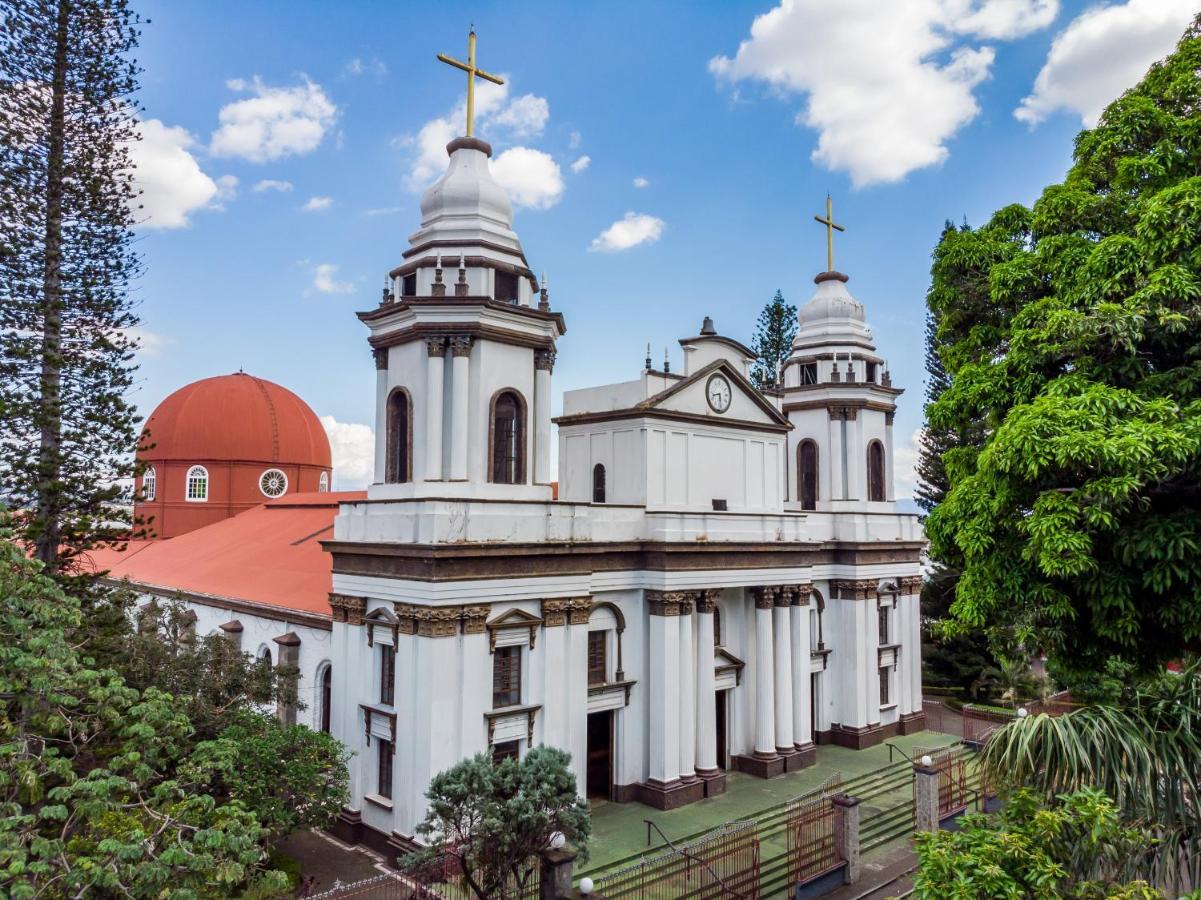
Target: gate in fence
[980, 722]
[813, 845]
[951, 765]
[429, 885]
[720, 865]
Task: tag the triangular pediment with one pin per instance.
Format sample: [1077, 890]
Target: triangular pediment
[690, 397]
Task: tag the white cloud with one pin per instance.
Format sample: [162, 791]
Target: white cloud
[888, 106]
[524, 117]
[318, 204]
[352, 447]
[1101, 53]
[172, 183]
[581, 164]
[641, 182]
[325, 280]
[383, 211]
[272, 184]
[530, 177]
[274, 123]
[372, 66]
[149, 343]
[574, 140]
[629, 231]
[227, 190]
[904, 466]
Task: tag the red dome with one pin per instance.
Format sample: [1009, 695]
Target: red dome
[238, 418]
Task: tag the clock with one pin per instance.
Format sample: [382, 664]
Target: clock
[718, 393]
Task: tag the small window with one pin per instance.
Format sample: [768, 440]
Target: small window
[265, 654]
[598, 483]
[149, 483]
[809, 373]
[197, 484]
[506, 677]
[383, 786]
[508, 439]
[883, 616]
[875, 472]
[885, 679]
[399, 438]
[598, 661]
[327, 694]
[408, 285]
[807, 474]
[871, 372]
[323, 483]
[506, 287]
[387, 674]
[506, 750]
[273, 483]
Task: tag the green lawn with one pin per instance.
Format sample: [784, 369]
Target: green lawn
[620, 830]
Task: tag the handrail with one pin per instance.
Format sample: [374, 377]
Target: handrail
[684, 853]
[891, 746]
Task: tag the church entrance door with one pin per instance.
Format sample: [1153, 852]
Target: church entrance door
[600, 755]
[720, 724]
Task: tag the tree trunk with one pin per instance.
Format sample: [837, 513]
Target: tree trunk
[50, 450]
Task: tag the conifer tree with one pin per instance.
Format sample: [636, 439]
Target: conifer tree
[773, 340]
[67, 121]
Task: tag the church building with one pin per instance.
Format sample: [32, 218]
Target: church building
[721, 582]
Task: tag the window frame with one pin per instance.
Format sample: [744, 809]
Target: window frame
[520, 463]
[325, 688]
[886, 686]
[387, 675]
[384, 770]
[877, 478]
[149, 485]
[264, 474]
[801, 471]
[323, 483]
[392, 442]
[507, 662]
[883, 624]
[601, 635]
[599, 484]
[201, 475]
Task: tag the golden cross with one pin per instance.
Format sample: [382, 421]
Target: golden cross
[472, 74]
[830, 224]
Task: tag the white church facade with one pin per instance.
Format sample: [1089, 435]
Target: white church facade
[722, 582]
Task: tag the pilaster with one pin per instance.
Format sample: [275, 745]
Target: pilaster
[460, 404]
[544, 363]
[434, 406]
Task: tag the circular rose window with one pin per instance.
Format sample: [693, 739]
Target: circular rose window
[273, 483]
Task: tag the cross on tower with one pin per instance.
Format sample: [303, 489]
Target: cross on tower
[472, 74]
[831, 225]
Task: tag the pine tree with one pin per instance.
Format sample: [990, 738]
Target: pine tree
[772, 341]
[66, 261]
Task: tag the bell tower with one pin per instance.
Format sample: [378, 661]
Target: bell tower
[464, 345]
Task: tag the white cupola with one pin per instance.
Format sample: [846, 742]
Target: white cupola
[832, 318]
[466, 206]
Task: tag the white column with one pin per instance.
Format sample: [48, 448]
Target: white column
[802, 725]
[551, 649]
[664, 669]
[782, 635]
[832, 465]
[856, 458]
[706, 702]
[913, 644]
[436, 349]
[544, 361]
[460, 348]
[577, 690]
[687, 693]
[765, 719]
[477, 681]
[381, 415]
[889, 489]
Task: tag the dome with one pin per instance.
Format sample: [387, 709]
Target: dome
[238, 418]
[832, 317]
[466, 205]
[831, 300]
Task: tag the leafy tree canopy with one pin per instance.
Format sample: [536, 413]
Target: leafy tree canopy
[1072, 334]
[494, 818]
[772, 342]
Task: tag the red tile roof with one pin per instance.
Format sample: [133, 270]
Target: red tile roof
[269, 554]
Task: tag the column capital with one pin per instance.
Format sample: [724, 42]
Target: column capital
[544, 360]
[765, 597]
[784, 596]
[460, 344]
[380, 355]
[435, 345]
[800, 594]
[437, 621]
[348, 609]
[475, 619]
[911, 584]
[666, 603]
[706, 601]
[579, 610]
[856, 589]
[554, 612]
[406, 618]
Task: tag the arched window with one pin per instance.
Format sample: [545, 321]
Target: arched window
[326, 681]
[508, 438]
[400, 438]
[323, 483]
[265, 653]
[149, 484]
[806, 478]
[197, 484]
[875, 472]
[598, 483]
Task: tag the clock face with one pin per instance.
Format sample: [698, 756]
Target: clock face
[718, 393]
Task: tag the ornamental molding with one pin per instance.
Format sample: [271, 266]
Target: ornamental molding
[554, 612]
[513, 620]
[800, 594]
[856, 589]
[380, 355]
[475, 619]
[765, 597]
[668, 603]
[849, 413]
[437, 621]
[460, 344]
[911, 584]
[348, 609]
[544, 360]
[706, 601]
[435, 345]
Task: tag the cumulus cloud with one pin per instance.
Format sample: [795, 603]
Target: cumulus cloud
[530, 177]
[325, 280]
[318, 204]
[359, 66]
[581, 164]
[352, 447]
[149, 343]
[273, 123]
[172, 183]
[272, 184]
[641, 182]
[575, 139]
[629, 231]
[1101, 53]
[911, 85]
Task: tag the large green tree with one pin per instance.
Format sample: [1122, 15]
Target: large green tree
[67, 121]
[1072, 335]
[772, 341]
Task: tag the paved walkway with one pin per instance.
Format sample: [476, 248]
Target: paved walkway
[329, 861]
[620, 830]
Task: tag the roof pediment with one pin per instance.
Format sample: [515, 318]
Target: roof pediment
[689, 397]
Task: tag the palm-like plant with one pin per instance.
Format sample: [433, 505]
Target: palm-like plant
[1145, 754]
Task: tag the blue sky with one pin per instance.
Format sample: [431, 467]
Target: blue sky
[904, 112]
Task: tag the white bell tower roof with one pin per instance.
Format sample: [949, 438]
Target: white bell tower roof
[832, 319]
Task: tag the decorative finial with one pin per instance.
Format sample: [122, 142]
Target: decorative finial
[387, 295]
[461, 284]
[544, 294]
[649, 363]
[472, 74]
[438, 289]
[831, 227]
[666, 363]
